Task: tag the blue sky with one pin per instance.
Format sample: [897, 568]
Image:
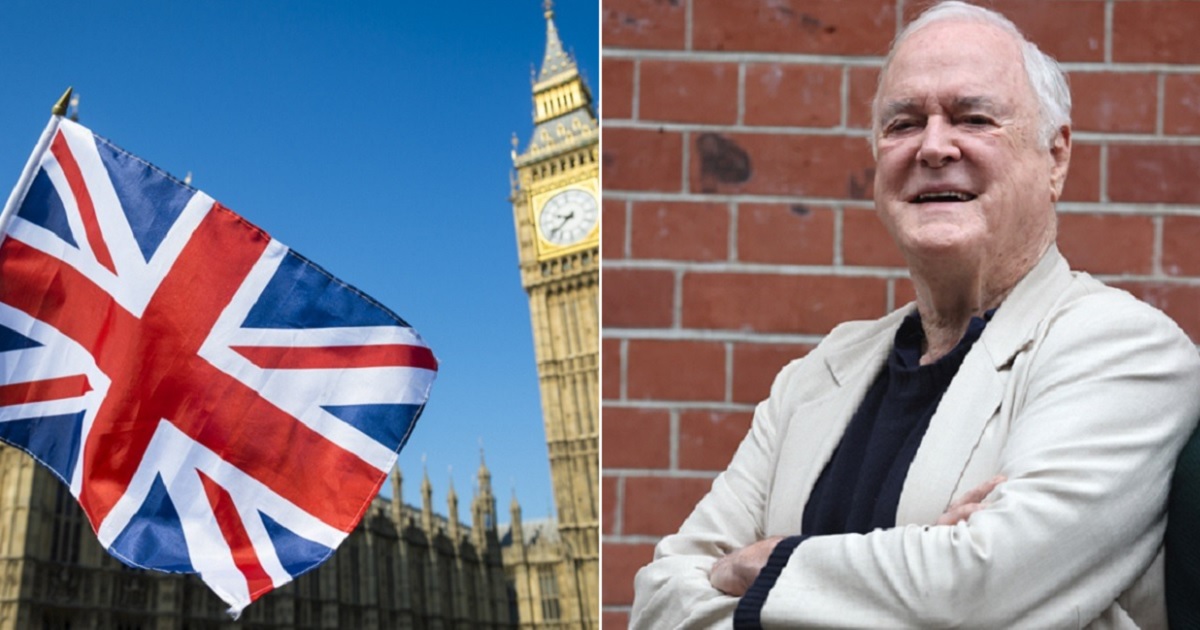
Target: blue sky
[372, 137]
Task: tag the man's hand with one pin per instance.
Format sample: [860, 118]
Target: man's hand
[735, 572]
[970, 502]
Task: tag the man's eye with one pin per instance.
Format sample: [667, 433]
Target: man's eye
[900, 125]
[978, 120]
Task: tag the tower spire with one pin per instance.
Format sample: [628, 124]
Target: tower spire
[562, 104]
[556, 61]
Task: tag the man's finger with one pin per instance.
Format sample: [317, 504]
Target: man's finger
[960, 513]
[979, 493]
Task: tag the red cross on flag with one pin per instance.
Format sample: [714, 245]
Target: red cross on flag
[216, 402]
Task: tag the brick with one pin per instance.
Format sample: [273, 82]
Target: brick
[1114, 101]
[621, 563]
[1153, 173]
[1181, 104]
[861, 90]
[866, 242]
[787, 234]
[1156, 32]
[1083, 177]
[656, 506]
[781, 94]
[613, 230]
[616, 93]
[614, 620]
[655, 24]
[773, 164]
[779, 303]
[1180, 302]
[903, 293]
[825, 27]
[637, 298]
[756, 364]
[610, 377]
[708, 439]
[651, 449]
[608, 500]
[1090, 242]
[1068, 30]
[680, 231]
[688, 92]
[676, 370]
[642, 159]
[1180, 256]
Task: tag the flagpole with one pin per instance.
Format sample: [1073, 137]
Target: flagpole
[18, 193]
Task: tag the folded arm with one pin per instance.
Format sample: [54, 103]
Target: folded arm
[1088, 462]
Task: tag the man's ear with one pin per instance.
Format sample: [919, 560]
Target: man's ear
[1060, 155]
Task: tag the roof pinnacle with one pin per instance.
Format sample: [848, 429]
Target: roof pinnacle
[556, 61]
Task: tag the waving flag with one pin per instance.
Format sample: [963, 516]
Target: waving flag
[217, 403]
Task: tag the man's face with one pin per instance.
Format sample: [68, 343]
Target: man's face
[961, 172]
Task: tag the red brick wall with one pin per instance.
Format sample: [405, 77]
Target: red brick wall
[738, 226]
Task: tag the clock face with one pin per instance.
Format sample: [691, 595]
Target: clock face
[568, 217]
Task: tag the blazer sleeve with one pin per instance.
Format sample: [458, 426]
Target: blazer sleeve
[673, 591]
[1111, 392]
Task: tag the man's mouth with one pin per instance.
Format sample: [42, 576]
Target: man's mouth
[942, 197]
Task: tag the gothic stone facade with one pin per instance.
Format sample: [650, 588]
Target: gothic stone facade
[403, 567]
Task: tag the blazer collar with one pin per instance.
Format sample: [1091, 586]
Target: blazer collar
[1013, 326]
[1011, 329]
[866, 350]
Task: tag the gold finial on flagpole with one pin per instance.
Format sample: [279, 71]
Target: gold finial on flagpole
[60, 108]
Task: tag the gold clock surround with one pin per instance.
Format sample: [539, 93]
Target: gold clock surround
[547, 249]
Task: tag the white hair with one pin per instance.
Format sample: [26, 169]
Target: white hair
[1045, 76]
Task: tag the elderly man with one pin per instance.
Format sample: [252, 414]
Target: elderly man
[997, 455]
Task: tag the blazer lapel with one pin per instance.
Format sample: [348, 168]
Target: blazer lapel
[815, 427]
[971, 400]
[975, 394]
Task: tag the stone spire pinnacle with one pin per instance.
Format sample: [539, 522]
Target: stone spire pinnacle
[397, 483]
[397, 494]
[452, 504]
[426, 500]
[426, 485]
[556, 61]
[484, 475]
[518, 531]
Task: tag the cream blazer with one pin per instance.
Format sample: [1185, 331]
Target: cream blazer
[1080, 394]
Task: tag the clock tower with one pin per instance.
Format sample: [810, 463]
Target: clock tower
[557, 214]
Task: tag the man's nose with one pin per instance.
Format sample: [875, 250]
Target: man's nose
[939, 143]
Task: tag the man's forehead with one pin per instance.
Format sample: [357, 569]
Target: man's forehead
[952, 43]
[955, 59]
[961, 33]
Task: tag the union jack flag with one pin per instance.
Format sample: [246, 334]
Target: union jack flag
[216, 402]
